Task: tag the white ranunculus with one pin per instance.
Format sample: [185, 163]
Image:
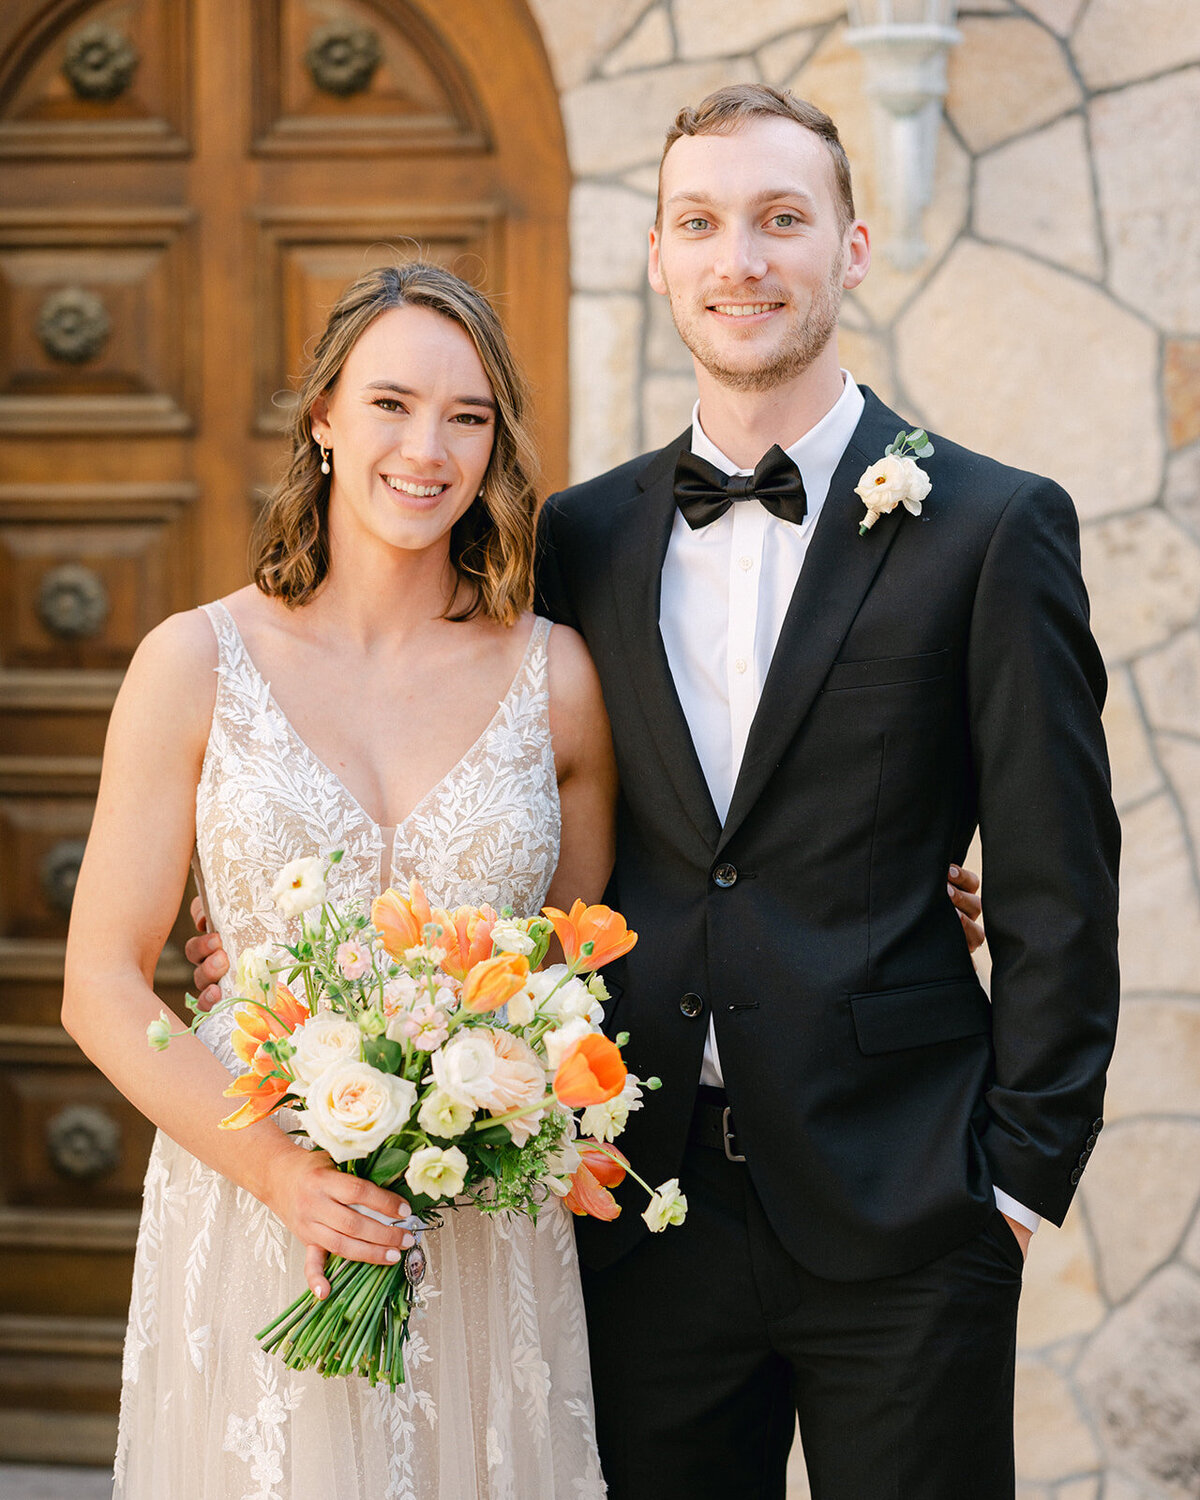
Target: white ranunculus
[606, 1121]
[443, 1115]
[511, 937]
[437, 1173]
[300, 885]
[463, 1068]
[254, 970]
[919, 485]
[557, 1041]
[885, 484]
[353, 1107]
[327, 1039]
[667, 1206]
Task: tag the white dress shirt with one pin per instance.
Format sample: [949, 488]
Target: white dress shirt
[726, 588]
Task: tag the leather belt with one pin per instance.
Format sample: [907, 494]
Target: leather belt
[712, 1123]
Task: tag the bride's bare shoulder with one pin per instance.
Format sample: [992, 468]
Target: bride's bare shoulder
[172, 675]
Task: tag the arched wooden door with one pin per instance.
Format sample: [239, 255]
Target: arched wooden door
[185, 185]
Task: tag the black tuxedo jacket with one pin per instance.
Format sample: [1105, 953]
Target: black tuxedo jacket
[932, 675]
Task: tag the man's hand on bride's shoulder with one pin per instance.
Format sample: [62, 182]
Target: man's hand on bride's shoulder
[210, 961]
[963, 888]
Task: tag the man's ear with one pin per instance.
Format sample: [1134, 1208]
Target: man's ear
[653, 270]
[858, 255]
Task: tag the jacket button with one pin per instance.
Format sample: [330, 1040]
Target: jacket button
[1097, 1126]
[1091, 1141]
[691, 1005]
[1076, 1175]
[725, 876]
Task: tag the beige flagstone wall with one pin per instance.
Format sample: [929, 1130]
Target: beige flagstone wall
[1056, 325]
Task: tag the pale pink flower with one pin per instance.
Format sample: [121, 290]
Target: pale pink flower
[354, 959]
[427, 1027]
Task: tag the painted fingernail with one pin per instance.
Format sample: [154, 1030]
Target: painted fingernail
[955, 871]
[393, 1256]
[406, 1240]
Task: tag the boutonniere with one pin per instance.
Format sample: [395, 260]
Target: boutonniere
[897, 479]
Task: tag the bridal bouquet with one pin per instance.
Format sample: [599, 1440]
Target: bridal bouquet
[427, 1050]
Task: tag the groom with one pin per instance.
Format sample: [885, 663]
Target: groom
[810, 721]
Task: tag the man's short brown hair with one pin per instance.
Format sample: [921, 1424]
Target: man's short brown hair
[726, 110]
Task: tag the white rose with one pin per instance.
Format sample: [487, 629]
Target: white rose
[511, 937]
[300, 885]
[607, 1121]
[327, 1039]
[353, 1107]
[519, 1079]
[667, 1206]
[557, 1041]
[443, 1115]
[254, 971]
[463, 1068]
[437, 1173]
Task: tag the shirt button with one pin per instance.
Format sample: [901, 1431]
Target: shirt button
[691, 1005]
[740, 664]
[745, 563]
[725, 876]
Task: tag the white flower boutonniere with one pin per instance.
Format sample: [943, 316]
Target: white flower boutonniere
[897, 479]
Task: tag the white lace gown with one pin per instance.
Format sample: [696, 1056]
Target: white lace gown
[497, 1401]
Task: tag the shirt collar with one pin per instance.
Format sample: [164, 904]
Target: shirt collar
[817, 454]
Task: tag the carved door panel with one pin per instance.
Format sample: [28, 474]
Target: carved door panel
[185, 186]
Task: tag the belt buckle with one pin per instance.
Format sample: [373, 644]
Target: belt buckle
[728, 1136]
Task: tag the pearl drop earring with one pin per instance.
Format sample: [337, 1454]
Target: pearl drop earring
[325, 452]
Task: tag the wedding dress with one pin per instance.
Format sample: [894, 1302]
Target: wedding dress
[497, 1402]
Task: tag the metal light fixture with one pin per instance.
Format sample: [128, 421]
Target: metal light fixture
[904, 45]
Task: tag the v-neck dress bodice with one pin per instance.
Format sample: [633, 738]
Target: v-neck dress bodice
[497, 1401]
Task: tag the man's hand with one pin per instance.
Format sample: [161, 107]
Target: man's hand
[962, 887]
[209, 958]
[1023, 1235]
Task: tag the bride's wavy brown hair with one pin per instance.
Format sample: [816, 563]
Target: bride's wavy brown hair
[492, 543]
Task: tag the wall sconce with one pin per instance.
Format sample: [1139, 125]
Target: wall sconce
[904, 45]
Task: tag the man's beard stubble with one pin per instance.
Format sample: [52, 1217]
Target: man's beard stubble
[798, 351]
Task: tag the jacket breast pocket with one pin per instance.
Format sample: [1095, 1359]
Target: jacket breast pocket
[885, 670]
[919, 1015]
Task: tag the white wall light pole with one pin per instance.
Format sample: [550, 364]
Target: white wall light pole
[904, 45]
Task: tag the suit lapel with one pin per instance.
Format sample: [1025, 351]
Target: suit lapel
[640, 532]
[837, 573]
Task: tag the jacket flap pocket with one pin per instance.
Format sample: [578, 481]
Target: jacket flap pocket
[920, 1014]
[885, 670]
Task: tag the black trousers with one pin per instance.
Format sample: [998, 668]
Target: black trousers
[708, 1340]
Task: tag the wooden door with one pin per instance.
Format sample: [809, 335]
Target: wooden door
[185, 186]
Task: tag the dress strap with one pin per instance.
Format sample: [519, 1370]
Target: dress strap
[236, 673]
[536, 654]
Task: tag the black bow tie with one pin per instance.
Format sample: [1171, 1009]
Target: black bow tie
[703, 493]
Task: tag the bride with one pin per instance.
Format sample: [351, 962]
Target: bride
[383, 689]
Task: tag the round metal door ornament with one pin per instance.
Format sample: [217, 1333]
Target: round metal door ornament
[73, 325]
[342, 58]
[100, 62]
[72, 602]
[83, 1142]
[59, 872]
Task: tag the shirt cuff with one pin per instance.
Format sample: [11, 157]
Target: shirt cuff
[1018, 1211]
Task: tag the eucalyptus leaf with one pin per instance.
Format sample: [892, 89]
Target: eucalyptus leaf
[381, 1053]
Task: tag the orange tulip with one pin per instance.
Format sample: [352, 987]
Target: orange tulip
[399, 920]
[590, 1072]
[254, 1027]
[466, 937]
[587, 1197]
[604, 928]
[494, 982]
[592, 1179]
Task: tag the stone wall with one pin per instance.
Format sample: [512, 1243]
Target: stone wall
[1056, 324]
